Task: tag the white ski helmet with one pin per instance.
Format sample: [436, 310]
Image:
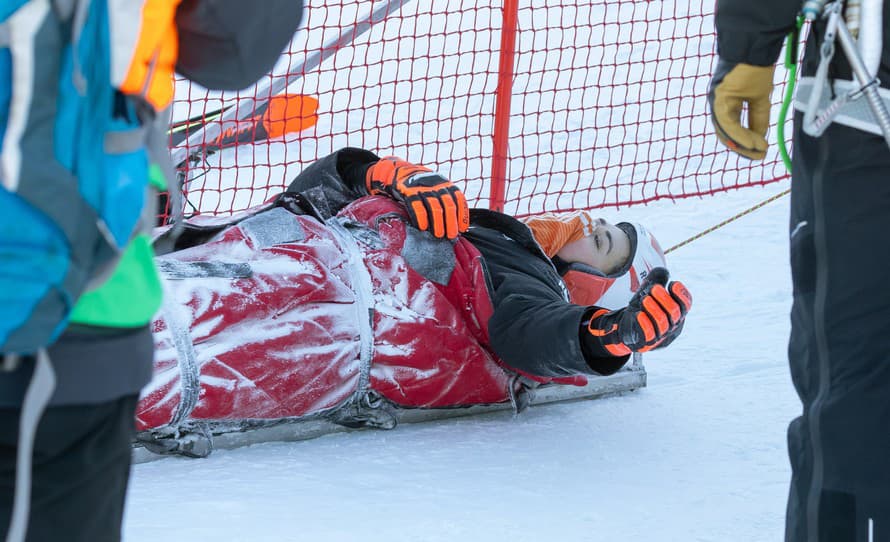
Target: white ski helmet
[588, 286]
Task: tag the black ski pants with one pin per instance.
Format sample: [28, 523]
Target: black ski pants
[82, 457]
[839, 349]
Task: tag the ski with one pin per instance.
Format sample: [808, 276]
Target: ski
[281, 115]
[277, 117]
[180, 130]
[248, 105]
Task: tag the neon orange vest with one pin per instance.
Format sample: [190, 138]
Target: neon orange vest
[144, 48]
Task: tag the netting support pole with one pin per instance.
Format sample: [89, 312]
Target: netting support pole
[503, 97]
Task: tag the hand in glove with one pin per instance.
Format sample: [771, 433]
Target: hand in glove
[654, 317]
[434, 203]
[732, 86]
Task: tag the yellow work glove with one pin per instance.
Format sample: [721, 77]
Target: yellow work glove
[732, 86]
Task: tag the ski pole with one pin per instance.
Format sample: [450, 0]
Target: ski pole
[248, 105]
[283, 114]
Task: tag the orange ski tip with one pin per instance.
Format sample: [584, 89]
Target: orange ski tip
[290, 113]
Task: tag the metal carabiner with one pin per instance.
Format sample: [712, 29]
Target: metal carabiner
[816, 122]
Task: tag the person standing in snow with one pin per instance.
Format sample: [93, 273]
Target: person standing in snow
[839, 350]
[82, 444]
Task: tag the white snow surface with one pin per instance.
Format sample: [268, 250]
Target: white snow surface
[697, 455]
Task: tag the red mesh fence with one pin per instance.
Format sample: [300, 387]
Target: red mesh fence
[607, 104]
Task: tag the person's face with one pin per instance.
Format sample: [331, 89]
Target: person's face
[606, 249]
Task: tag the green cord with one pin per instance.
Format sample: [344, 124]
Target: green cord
[791, 43]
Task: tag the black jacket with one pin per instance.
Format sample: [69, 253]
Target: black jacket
[753, 31]
[534, 327]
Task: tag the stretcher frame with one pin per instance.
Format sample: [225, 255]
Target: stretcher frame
[236, 434]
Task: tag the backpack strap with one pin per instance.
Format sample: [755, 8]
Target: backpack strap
[40, 390]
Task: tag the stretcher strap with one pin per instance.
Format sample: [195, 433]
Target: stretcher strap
[190, 385]
[364, 300]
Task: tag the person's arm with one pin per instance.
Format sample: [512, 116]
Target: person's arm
[434, 203]
[533, 328]
[749, 38]
[336, 180]
[545, 336]
[752, 31]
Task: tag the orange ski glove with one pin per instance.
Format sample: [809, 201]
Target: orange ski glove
[434, 203]
[654, 317]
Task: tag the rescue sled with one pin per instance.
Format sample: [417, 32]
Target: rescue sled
[280, 325]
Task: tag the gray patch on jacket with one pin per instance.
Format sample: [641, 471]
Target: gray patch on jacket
[433, 258]
[273, 227]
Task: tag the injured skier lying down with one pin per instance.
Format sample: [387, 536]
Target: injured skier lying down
[368, 285]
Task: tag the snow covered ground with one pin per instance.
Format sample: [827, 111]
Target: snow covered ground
[698, 455]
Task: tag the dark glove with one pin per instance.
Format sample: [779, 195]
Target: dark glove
[732, 86]
[654, 317]
[434, 203]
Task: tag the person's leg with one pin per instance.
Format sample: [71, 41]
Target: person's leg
[81, 467]
[801, 353]
[840, 345]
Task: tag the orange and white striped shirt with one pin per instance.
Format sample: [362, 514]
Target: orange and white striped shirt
[554, 231]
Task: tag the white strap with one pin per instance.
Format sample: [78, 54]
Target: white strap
[854, 113]
[43, 382]
[871, 43]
